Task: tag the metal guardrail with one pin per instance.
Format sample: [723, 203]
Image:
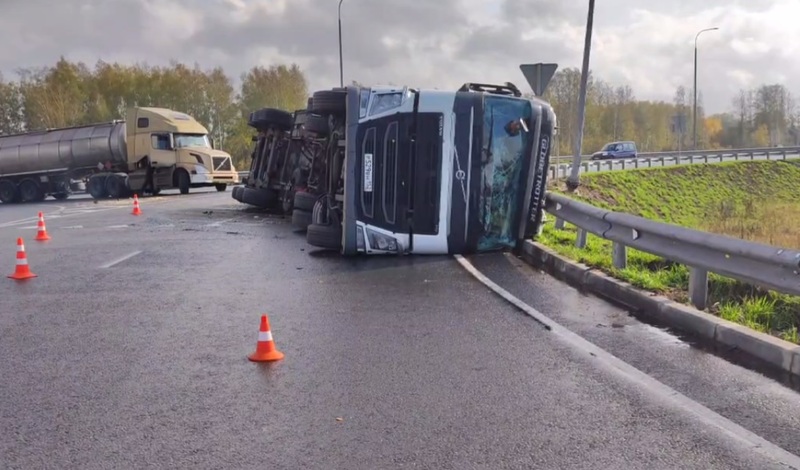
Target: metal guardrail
[662, 159]
[755, 263]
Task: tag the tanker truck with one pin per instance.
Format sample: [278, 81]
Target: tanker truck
[151, 150]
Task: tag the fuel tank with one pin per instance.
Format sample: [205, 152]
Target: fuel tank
[66, 148]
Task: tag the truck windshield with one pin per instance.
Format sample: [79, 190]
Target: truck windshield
[191, 140]
[506, 138]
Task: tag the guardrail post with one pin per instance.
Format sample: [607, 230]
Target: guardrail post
[619, 255]
[580, 239]
[559, 223]
[784, 154]
[691, 159]
[752, 156]
[622, 163]
[698, 287]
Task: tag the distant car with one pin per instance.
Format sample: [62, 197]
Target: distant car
[626, 149]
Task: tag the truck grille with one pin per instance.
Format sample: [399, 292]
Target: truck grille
[222, 163]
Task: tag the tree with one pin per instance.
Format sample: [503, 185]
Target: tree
[279, 87]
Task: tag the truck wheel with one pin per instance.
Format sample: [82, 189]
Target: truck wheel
[184, 182]
[304, 201]
[8, 192]
[30, 191]
[97, 186]
[60, 196]
[317, 124]
[324, 236]
[221, 187]
[301, 219]
[116, 186]
[271, 118]
[329, 102]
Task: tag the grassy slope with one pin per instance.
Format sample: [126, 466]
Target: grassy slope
[751, 200]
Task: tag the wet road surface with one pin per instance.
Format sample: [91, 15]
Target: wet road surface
[129, 351]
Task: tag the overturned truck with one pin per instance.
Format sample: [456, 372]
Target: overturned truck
[387, 170]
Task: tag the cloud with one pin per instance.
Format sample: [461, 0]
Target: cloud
[418, 42]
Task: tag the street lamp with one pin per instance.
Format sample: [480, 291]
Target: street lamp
[694, 117]
[341, 66]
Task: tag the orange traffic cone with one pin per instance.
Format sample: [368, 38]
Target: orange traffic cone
[42, 235]
[136, 210]
[265, 348]
[22, 271]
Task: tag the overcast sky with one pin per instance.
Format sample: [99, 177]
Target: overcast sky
[429, 43]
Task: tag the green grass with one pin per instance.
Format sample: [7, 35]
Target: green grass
[751, 200]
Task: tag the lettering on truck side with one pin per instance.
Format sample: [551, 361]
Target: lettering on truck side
[544, 145]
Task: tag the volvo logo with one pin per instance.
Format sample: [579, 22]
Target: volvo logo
[460, 175]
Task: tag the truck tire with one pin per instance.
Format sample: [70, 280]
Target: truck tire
[97, 186]
[184, 182]
[30, 191]
[221, 187]
[317, 124]
[304, 201]
[60, 196]
[271, 118]
[117, 186]
[324, 236]
[329, 102]
[301, 219]
[9, 192]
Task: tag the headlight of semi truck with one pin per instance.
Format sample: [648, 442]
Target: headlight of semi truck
[381, 241]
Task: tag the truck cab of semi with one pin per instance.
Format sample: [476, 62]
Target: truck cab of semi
[165, 149]
[410, 171]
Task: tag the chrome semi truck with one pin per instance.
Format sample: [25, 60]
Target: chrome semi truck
[405, 171]
[153, 149]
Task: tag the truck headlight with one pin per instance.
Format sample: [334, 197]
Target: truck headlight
[381, 241]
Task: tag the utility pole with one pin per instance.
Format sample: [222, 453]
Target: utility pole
[341, 63]
[694, 117]
[573, 181]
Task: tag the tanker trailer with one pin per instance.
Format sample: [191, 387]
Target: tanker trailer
[162, 149]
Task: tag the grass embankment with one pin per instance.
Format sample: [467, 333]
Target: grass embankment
[751, 200]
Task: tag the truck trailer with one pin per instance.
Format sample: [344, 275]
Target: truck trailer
[153, 149]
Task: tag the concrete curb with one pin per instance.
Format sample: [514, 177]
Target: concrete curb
[774, 351]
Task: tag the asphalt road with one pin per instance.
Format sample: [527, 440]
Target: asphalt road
[130, 351]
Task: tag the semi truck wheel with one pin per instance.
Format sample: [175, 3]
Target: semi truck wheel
[317, 124]
[304, 201]
[8, 192]
[271, 118]
[329, 102]
[117, 186]
[60, 196]
[97, 186]
[30, 191]
[221, 187]
[301, 219]
[184, 182]
[324, 236]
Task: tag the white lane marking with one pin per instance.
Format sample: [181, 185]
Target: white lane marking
[73, 226]
[626, 371]
[119, 260]
[118, 226]
[28, 220]
[29, 227]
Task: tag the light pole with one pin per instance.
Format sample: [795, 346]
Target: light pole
[341, 64]
[573, 181]
[694, 112]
